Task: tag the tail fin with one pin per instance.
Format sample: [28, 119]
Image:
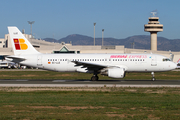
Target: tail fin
[171, 56]
[20, 44]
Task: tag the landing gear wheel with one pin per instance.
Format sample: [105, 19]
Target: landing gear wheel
[94, 78]
[153, 79]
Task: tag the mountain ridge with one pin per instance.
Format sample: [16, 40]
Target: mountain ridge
[140, 41]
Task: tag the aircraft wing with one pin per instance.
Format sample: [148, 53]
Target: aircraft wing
[91, 66]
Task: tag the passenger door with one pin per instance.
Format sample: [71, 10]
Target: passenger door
[153, 61]
[39, 61]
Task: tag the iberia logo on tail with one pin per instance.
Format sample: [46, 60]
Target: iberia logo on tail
[20, 44]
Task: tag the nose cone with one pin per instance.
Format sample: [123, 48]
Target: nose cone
[173, 66]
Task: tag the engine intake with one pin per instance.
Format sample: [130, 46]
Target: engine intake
[114, 72]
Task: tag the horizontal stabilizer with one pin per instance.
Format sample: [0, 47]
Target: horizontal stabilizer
[16, 59]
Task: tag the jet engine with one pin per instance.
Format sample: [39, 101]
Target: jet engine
[114, 72]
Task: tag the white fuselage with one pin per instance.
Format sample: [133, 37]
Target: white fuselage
[131, 62]
[112, 65]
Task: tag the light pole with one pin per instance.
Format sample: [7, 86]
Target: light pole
[31, 22]
[102, 36]
[94, 33]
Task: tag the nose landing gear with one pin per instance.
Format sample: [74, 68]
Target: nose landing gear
[153, 77]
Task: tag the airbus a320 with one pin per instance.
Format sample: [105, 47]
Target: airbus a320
[111, 65]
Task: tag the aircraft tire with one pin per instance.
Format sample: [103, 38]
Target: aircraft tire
[94, 78]
[153, 79]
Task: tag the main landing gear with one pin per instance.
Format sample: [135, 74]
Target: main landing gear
[94, 78]
[153, 77]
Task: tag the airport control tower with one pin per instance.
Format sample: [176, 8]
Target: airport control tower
[153, 27]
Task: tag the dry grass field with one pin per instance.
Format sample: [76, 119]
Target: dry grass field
[68, 103]
[89, 103]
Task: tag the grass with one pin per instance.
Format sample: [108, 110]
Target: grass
[105, 103]
[171, 75]
[101, 103]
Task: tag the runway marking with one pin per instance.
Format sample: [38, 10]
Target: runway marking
[59, 81]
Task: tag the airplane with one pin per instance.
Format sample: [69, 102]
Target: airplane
[111, 65]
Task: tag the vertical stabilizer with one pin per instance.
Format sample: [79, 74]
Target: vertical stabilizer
[20, 44]
[171, 56]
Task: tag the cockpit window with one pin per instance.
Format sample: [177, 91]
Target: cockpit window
[166, 59]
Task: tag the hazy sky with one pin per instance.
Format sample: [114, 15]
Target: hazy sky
[118, 18]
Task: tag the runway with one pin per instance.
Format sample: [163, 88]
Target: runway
[88, 83]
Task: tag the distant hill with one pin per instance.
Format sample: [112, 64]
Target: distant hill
[140, 42]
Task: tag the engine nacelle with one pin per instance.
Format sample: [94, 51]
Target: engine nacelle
[116, 72]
